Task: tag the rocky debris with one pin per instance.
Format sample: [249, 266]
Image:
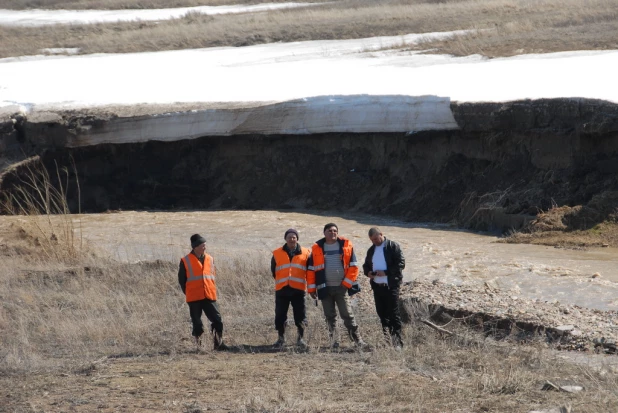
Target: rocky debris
[605, 343]
[564, 409]
[566, 328]
[503, 313]
[568, 389]
[549, 386]
[571, 389]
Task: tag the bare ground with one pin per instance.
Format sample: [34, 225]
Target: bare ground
[83, 334]
[289, 381]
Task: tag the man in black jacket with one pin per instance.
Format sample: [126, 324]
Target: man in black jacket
[384, 264]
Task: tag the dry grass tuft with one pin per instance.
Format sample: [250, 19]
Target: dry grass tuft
[49, 225]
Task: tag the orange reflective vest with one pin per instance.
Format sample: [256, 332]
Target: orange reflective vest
[316, 274]
[200, 278]
[292, 273]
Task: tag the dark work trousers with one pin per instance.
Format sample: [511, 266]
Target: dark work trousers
[387, 307]
[211, 310]
[282, 304]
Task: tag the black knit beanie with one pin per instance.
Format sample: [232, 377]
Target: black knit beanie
[197, 239]
[293, 231]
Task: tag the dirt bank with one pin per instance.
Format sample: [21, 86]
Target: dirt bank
[500, 313]
[505, 164]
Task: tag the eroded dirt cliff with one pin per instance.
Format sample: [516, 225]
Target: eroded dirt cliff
[506, 163]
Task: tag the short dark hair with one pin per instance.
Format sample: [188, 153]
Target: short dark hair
[330, 224]
[374, 230]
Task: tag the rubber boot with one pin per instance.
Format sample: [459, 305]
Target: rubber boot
[334, 342]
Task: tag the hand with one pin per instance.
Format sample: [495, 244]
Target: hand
[313, 295]
[380, 273]
[371, 275]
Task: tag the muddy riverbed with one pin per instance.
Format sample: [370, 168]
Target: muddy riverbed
[568, 295]
[587, 278]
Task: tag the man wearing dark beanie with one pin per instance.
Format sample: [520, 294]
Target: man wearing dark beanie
[196, 276]
[289, 269]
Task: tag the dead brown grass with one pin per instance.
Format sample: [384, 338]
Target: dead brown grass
[47, 223]
[571, 227]
[105, 336]
[601, 235]
[517, 27]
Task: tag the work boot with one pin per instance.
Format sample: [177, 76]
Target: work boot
[300, 342]
[360, 343]
[198, 341]
[280, 343]
[355, 336]
[334, 341]
[219, 345]
[397, 342]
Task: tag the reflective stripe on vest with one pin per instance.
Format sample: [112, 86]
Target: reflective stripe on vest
[292, 272]
[316, 267]
[317, 273]
[286, 279]
[200, 278]
[349, 281]
[284, 266]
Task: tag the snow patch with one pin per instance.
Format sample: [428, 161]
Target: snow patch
[35, 18]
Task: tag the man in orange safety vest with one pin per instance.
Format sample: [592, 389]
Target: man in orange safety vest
[332, 272]
[289, 268]
[196, 276]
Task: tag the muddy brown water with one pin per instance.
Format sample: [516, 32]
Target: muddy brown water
[432, 251]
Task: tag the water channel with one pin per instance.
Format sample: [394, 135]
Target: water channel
[432, 251]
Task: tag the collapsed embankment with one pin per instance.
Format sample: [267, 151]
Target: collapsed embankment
[504, 164]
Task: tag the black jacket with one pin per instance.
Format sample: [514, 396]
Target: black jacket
[395, 262]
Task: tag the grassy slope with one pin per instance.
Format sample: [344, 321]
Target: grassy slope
[90, 334]
[517, 27]
[604, 234]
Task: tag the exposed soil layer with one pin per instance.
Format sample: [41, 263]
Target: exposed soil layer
[507, 163]
[501, 313]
